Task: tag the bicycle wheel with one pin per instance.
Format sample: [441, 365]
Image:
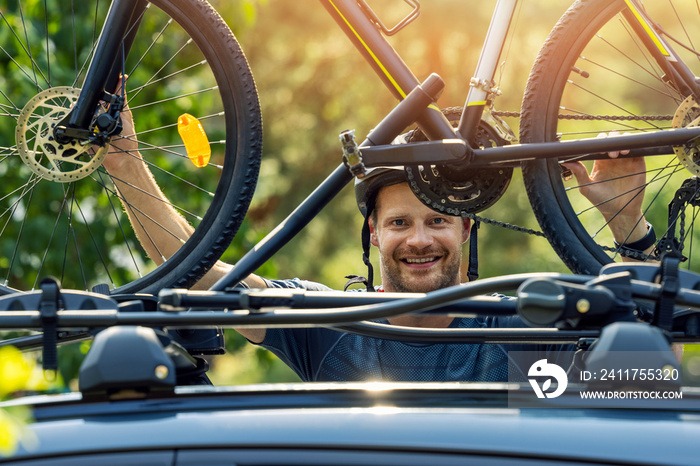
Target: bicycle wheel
[594, 75]
[64, 218]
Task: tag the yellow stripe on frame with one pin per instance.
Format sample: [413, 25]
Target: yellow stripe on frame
[376, 59]
[650, 32]
[474, 104]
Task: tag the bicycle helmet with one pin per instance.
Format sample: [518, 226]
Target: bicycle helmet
[367, 187]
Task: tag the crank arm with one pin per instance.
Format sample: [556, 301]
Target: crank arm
[428, 152]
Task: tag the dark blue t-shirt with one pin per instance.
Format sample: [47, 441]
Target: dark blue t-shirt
[321, 354]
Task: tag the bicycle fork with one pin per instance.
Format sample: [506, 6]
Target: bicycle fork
[107, 64]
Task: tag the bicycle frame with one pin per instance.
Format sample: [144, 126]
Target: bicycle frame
[399, 79]
[361, 27]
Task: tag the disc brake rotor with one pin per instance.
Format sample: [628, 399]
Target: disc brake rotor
[459, 195]
[41, 152]
[688, 116]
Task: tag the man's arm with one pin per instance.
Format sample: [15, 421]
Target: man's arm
[160, 228]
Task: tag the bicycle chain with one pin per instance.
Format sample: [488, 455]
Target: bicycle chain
[681, 232]
[507, 226]
[640, 256]
[630, 254]
[596, 117]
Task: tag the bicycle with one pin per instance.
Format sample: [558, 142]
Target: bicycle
[462, 171]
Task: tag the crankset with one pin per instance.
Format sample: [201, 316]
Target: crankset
[454, 192]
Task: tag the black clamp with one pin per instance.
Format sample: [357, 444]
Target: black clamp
[48, 314]
[670, 284]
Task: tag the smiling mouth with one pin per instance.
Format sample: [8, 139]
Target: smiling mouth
[421, 260]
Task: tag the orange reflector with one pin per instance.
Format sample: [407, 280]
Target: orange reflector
[195, 139]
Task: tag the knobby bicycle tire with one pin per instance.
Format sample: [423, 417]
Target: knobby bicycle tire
[76, 229]
[594, 76]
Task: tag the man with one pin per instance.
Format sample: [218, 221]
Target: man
[420, 250]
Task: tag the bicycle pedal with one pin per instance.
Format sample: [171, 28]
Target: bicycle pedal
[566, 174]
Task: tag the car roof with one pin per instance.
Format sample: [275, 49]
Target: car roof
[457, 420]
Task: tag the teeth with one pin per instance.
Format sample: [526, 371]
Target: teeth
[420, 261]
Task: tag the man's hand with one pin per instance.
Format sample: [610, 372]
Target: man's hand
[616, 188]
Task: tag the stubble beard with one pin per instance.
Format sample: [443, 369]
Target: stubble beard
[448, 275]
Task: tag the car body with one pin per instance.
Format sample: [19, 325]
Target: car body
[135, 405]
[366, 423]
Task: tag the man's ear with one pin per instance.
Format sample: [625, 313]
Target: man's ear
[466, 228]
[372, 233]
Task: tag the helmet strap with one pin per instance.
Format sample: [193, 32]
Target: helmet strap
[365, 254]
[473, 270]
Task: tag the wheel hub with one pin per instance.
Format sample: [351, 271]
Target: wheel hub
[37, 147]
[688, 116]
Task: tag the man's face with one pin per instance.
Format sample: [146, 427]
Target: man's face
[420, 250]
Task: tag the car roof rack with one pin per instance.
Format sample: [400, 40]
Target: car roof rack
[136, 349]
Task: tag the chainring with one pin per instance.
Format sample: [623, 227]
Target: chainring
[478, 190]
[37, 147]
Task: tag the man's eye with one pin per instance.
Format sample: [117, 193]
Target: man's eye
[439, 220]
[399, 223]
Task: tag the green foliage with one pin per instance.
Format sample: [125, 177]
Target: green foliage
[18, 374]
[690, 365]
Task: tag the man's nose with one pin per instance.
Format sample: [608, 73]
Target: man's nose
[419, 237]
